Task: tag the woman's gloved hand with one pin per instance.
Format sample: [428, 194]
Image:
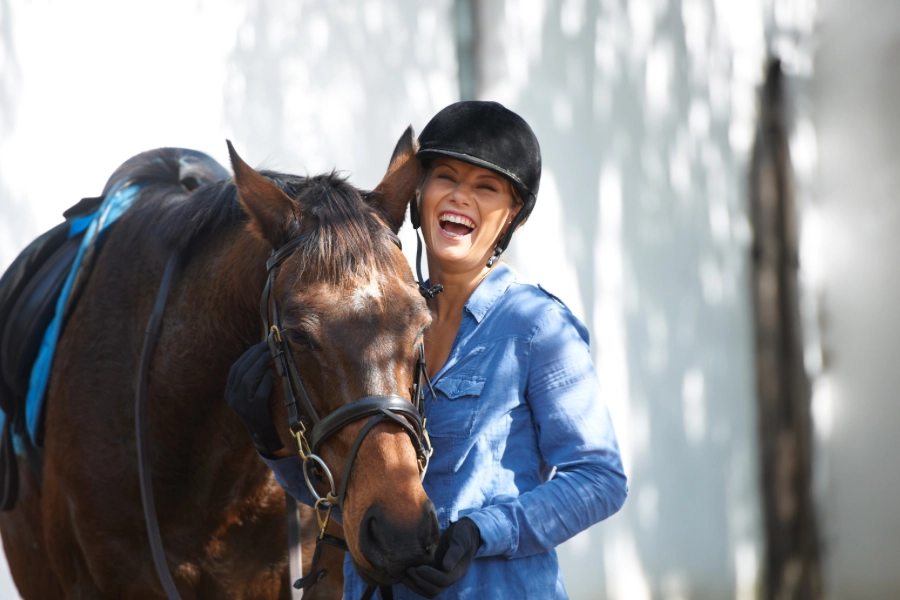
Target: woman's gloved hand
[458, 545]
[247, 392]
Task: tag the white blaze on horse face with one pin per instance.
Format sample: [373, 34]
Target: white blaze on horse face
[362, 297]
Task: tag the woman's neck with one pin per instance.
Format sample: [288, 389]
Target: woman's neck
[458, 287]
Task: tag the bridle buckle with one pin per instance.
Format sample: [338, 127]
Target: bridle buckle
[302, 444]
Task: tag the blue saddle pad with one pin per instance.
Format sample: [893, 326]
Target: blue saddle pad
[44, 297]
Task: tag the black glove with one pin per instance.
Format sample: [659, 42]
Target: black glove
[248, 390]
[458, 545]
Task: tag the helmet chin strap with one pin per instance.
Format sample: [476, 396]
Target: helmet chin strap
[514, 224]
[427, 292]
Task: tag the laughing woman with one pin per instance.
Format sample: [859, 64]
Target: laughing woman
[525, 455]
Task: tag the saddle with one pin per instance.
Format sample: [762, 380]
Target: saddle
[29, 291]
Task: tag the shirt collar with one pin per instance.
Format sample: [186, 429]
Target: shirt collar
[492, 287]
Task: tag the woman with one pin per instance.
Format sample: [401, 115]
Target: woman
[525, 455]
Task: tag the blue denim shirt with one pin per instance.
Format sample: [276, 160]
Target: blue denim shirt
[523, 443]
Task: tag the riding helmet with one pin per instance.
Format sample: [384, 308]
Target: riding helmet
[488, 135]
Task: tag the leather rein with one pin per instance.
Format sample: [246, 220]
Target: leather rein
[391, 407]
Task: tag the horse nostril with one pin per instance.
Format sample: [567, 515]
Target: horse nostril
[391, 547]
[371, 543]
[431, 532]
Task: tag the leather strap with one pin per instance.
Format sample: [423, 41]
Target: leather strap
[387, 592]
[374, 408]
[143, 443]
[360, 409]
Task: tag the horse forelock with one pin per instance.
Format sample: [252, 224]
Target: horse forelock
[344, 241]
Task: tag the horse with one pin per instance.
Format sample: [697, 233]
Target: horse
[352, 319]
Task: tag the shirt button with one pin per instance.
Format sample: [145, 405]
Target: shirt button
[455, 392]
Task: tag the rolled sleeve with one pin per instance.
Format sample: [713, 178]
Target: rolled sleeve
[575, 435]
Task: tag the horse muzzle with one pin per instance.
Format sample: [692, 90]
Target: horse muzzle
[391, 547]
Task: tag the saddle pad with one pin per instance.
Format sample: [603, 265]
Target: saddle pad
[19, 274]
[30, 315]
[94, 226]
[48, 293]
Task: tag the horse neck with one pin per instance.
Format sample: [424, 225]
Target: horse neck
[212, 317]
[227, 274]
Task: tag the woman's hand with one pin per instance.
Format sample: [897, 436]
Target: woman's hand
[247, 392]
[457, 548]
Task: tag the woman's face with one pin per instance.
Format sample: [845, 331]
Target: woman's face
[464, 209]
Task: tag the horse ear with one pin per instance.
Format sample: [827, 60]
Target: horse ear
[272, 212]
[399, 185]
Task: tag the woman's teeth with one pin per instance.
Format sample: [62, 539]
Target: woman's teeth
[456, 225]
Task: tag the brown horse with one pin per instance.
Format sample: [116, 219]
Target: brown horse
[352, 317]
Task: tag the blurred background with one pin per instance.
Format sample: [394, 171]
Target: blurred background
[720, 221]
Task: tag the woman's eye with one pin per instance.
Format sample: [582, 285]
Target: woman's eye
[489, 188]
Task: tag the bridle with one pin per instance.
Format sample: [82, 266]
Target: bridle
[390, 407]
[409, 415]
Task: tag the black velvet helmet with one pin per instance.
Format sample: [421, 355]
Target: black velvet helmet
[488, 135]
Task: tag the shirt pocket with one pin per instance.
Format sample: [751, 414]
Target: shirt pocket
[453, 414]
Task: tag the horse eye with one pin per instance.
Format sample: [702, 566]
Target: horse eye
[298, 339]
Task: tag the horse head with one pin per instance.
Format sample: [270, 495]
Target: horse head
[348, 321]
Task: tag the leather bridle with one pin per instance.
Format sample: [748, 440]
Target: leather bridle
[397, 409]
[390, 407]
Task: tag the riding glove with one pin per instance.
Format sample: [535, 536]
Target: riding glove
[458, 545]
[247, 392]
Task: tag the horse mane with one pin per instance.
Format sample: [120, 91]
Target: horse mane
[341, 226]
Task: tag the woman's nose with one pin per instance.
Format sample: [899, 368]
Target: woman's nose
[462, 194]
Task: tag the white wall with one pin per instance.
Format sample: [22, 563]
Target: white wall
[646, 112]
[856, 213]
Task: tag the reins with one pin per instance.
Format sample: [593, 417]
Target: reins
[143, 442]
[295, 551]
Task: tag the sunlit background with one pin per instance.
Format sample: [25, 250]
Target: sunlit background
[646, 111]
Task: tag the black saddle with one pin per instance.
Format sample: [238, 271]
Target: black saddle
[29, 290]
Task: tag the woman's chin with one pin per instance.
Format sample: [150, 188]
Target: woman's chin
[460, 257]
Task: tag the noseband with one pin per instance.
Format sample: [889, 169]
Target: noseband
[397, 409]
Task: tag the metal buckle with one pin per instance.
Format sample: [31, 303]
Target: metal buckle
[302, 444]
[323, 521]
